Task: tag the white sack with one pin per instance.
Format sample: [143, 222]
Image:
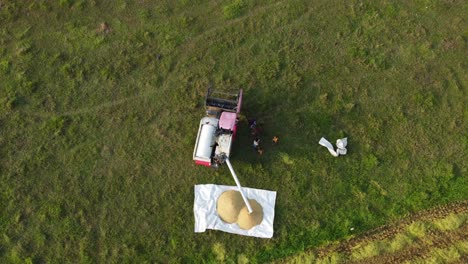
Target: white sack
[329, 146]
[340, 143]
[206, 217]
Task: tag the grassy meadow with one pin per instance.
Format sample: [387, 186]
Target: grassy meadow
[97, 125]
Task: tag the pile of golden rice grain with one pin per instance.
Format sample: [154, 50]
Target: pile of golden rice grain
[232, 209]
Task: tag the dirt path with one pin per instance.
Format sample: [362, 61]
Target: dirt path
[389, 231]
[436, 239]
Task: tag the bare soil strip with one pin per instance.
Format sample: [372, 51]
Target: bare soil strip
[389, 231]
[420, 248]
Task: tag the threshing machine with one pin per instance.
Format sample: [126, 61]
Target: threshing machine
[218, 128]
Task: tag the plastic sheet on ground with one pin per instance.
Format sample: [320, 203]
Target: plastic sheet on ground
[206, 196]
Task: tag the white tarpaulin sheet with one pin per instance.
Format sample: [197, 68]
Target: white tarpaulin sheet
[206, 196]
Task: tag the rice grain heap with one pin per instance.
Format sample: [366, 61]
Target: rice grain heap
[229, 205]
[245, 220]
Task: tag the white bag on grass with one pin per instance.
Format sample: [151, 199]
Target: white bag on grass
[340, 143]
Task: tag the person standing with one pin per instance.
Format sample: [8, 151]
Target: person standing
[260, 150]
[252, 123]
[256, 143]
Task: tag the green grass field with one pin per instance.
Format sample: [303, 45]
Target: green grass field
[97, 128]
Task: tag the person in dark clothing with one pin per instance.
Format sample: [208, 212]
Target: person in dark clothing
[214, 146]
[252, 123]
[260, 150]
[254, 131]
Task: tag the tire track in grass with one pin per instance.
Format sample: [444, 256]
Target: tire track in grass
[91, 109]
[192, 41]
[190, 44]
[183, 52]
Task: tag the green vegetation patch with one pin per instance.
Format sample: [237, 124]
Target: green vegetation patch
[235, 9]
[441, 255]
[451, 222]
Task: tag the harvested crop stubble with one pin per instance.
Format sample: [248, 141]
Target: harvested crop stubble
[229, 205]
